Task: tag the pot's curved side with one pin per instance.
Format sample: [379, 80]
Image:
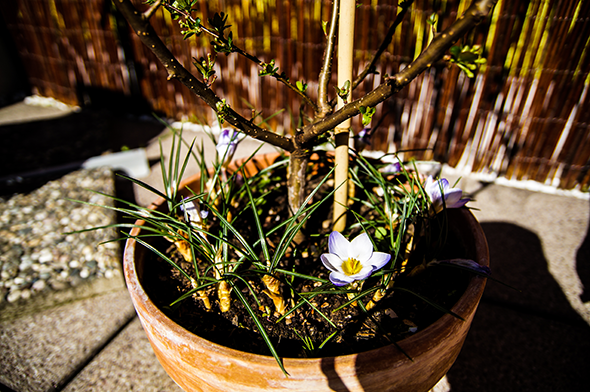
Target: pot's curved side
[199, 365]
[435, 349]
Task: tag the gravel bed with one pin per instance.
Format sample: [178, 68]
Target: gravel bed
[37, 256]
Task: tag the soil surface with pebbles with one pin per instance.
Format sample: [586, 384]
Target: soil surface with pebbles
[38, 256]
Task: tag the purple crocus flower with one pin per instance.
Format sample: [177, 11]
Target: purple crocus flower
[466, 264]
[226, 145]
[442, 195]
[362, 139]
[394, 167]
[351, 261]
[365, 136]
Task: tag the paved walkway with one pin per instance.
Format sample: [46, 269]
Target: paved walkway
[535, 339]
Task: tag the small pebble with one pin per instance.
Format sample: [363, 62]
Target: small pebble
[38, 285]
[13, 296]
[25, 265]
[45, 257]
[25, 294]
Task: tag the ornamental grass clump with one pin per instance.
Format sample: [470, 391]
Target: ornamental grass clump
[309, 246]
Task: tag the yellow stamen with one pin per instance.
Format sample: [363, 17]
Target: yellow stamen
[351, 267]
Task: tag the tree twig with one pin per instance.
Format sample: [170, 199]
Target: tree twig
[324, 106]
[240, 51]
[150, 39]
[384, 44]
[476, 12]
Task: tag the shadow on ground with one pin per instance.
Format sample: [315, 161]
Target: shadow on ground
[527, 340]
[583, 265]
[36, 152]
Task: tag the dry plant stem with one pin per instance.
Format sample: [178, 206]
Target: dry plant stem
[345, 51]
[324, 106]
[224, 295]
[140, 24]
[357, 286]
[273, 291]
[476, 12]
[202, 295]
[184, 249]
[379, 295]
[223, 288]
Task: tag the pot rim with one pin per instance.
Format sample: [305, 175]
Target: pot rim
[445, 325]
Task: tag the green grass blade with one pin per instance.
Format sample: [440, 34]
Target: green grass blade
[259, 325]
[163, 256]
[261, 236]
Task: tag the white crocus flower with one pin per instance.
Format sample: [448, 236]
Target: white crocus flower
[351, 261]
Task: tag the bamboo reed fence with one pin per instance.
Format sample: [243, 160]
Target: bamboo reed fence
[524, 116]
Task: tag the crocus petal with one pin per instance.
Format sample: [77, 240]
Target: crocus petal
[379, 259]
[432, 188]
[339, 245]
[226, 145]
[191, 210]
[444, 183]
[392, 168]
[361, 248]
[331, 261]
[452, 197]
[461, 203]
[465, 263]
[340, 279]
[364, 273]
[365, 136]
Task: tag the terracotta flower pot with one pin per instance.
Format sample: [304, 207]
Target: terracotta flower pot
[196, 364]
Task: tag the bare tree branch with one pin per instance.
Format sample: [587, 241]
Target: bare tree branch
[384, 44]
[240, 51]
[324, 106]
[476, 12]
[150, 39]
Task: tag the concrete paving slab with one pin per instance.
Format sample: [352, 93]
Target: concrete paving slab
[127, 364]
[34, 109]
[40, 352]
